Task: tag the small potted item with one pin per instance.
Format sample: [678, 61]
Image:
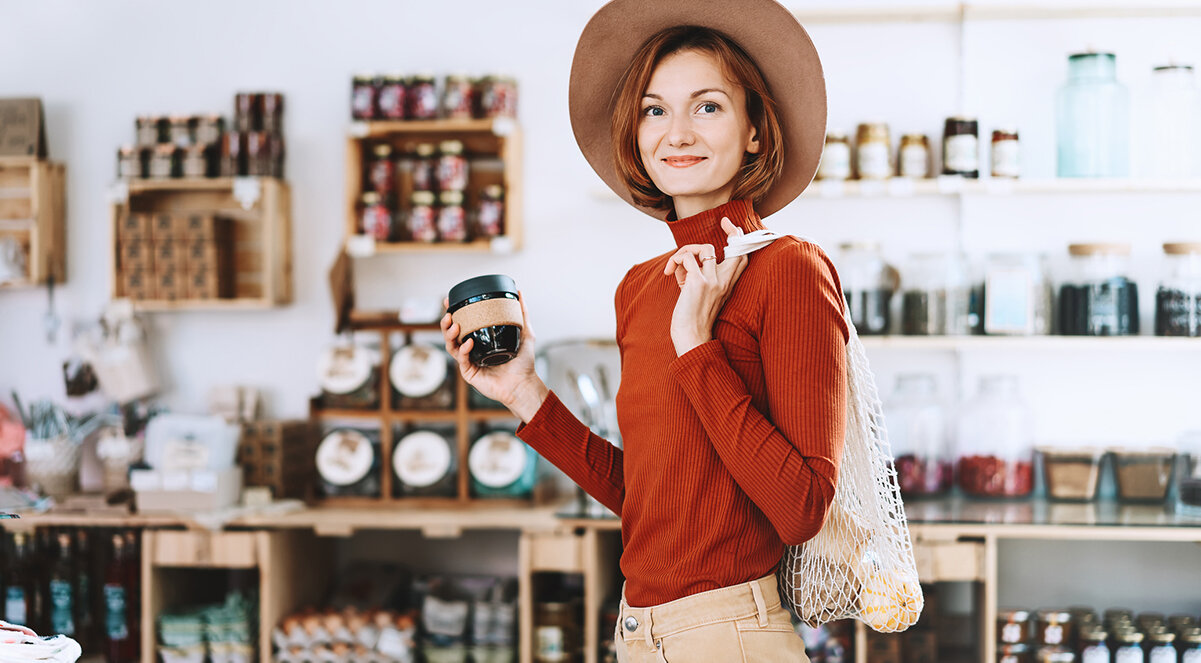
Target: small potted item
[488, 311]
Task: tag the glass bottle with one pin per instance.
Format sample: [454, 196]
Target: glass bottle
[1016, 296]
[995, 441]
[1162, 647]
[19, 578]
[1174, 149]
[868, 283]
[61, 588]
[85, 623]
[1093, 119]
[917, 429]
[1094, 647]
[120, 646]
[1128, 647]
[1100, 298]
[1178, 299]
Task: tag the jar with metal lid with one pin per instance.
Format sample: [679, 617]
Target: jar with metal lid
[375, 218]
[557, 635]
[129, 163]
[421, 378]
[925, 293]
[868, 283]
[1178, 299]
[1149, 620]
[233, 154]
[1055, 628]
[1190, 645]
[196, 161]
[452, 166]
[1016, 295]
[1128, 646]
[1013, 627]
[422, 223]
[917, 430]
[490, 215]
[209, 129]
[348, 374]
[166, 161]
[1094, 645]
[425, 463]
[348, 463]
[995, 441]
[147, 132]
[1014, 653]
[913, 157]
[961, 147]
[390, 95]
[1092, 119]
[1005, 153]
[422, 98]
[1181, 622]
[502, 465]
[458, 97]
[1161, 646]
[873, 151]
[381, 170]
[181, 130]
[1118, 615]
[1056, 655]
[1099, 298]
[836, 157]
[362, 97]
[425, 167]
[452, 218]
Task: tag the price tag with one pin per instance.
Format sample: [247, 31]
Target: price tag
[872, 188]
[360, 246]
[950, 184]
[901, 187]
[247, 191]
[503, 126]
[832, 188]
[359, 129]
[118, 193]
[501, 244]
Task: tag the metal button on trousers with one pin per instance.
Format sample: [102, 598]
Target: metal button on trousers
[631, 624]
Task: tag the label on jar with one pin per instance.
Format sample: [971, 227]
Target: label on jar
[344, 457]
[452, 224]
[344, 369]
[1128, 654]
[1009, 303]
[835, 163]
[392, 101]
[1191, 656]
[1012, 633]
[873, 161]
[550, 643]
[418, 370]
[115, 627]
[961, 154]
[62, 607]
[1005, 159]
[452, 172]
[915, 161]
[1095, 654]
[14, 606]
[498, 459]
[422, 227]
[1053, 634]
[422, 458]
[1162, 654]
[445, 618]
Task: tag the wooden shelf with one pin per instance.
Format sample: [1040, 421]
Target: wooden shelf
[1032, 343]
[360, 248]
[387, 320]
[32, 211]
[185, 184]
[981, 11]
[381, 128]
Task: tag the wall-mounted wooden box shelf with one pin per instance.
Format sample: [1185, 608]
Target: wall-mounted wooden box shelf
[33, 212]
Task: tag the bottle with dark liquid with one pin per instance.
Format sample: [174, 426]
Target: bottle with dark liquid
[61, 592]
[120, 645]
[85, 624]
[18, 581]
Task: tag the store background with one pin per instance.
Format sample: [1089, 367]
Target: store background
[96, 65]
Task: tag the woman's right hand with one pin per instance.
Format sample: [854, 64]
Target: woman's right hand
[514, 383]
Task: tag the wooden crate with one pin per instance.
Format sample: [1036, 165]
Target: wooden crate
[496, 141]
[280, 455]
[262, 236]
[32, 210]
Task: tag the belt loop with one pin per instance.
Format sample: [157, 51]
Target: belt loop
[650, 639]
[757, 593]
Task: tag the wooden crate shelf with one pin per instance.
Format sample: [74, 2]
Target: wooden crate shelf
[493, 149]
[32, 211]
[260, 209]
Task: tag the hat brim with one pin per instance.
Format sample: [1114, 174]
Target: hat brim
[769, 34]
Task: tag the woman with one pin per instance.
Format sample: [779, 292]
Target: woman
[732, 399]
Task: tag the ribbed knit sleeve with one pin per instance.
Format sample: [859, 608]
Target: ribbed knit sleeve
[786, 460]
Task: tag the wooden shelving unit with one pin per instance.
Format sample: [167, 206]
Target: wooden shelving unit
[1033, 343]
[33, 211]
[496, 140]
[262, 235]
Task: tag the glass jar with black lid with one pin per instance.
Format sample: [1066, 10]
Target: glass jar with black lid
[1178, 299]
[488, 311]
[1161, 647]
[1099, 298]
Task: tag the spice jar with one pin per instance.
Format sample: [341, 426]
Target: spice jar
[1071, 475]
[390, 95]
[917, 430]
[488, 311]
[1005, 153]
[348, 463]
[421, 378]
[1143, 475]
[422, 222]
[996, 456]
[1092, 119]
[961, 147]
[836, 157]
[381, 172]
[1016, 295]
[425, 168]
[1161, 646]
[913, 157]
[422, 98]
[873, 151]
[1054, 628]
[868, 284]
[924, 297]
[425, 463]
[452, 219]
[557, 636]
[1128, 647]
[501, 465]
[490, 215]
[375, 218]
[1099, 299]
[129, 163]
[457, 97]
[166, 161]
[362, 97]
[1094, 647]
[1013, 627]
[452, 166]
[1014, 654]
[348, 375]
[1178, 299]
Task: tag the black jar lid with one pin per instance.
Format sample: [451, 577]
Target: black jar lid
[481, 285]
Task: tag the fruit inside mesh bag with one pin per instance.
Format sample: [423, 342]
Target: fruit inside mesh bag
[835, 556]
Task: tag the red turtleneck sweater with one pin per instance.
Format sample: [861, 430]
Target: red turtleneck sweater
[731, 451]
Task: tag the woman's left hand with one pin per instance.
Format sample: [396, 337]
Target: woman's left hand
[704, 288]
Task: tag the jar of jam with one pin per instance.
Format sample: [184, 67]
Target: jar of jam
[914, 156]
[1190, 645]
[1005, 153]
[1055, 628]
[1014, 654]
[381, 172]
[1178, 299]
[348, 374]
[196, 161]
[1013, 627]
[362, 97]
[425, 168]
[166, 161]
[995, 440]
[490, 216]
[348, 463]
[1099, 298]
[1162, 646]
[497, 97]
[260, 155]
[961, 147]
[233, 154]
[501, 465]
[425, 464]
[422, 222]
[458, 97]
[422, 98]
[129, 163]
[421, 378]
[271, 105]
[873, 151]
[836, 157]
[391, 97]
[868, 283]
[452, 219]
[248, 113]
[147, 131]
[452, 166]
[917, 430]
[1056, 655]
[1128, 647]
[209, 129]
[1094, 646]
[376, 220]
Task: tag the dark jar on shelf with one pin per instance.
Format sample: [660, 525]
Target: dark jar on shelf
[422, 222]
[375, 218]
[490, 214]
[381, 170]
[452, 166]
[422, 98]
[1013, 627]
[488, 311]
[961, 147]
[1099, 298]
[425, 464]
[348, 463]
[1055, 628]
[362, 98]
[390, 96]
[425, 167]
[458, 97]
[348, 374]
[868, 283]
[1178, 299]
[421, 378]
[452, 218]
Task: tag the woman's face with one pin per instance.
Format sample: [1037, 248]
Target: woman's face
[694, 131]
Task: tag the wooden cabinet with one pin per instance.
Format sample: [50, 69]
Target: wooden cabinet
[32, 212]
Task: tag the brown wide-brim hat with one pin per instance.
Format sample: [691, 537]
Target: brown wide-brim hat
[769, 34]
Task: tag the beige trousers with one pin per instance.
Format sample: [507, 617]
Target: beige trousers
[739, 624]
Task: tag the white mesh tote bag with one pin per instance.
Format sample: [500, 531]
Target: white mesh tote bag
[860, 565]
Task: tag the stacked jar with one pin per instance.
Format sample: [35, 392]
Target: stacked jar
[415, 97]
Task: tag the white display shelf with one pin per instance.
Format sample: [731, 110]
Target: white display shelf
[982, 11]
[1033, 343]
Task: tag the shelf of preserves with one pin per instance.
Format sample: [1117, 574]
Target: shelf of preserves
[32, 212]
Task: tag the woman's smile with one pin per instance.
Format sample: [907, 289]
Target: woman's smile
[683, 162]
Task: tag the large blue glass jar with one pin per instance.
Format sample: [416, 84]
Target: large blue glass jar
[1093, 119]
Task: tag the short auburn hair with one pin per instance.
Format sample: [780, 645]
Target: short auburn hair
[759, 171]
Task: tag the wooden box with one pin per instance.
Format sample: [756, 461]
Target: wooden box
[32, 203]
[133, 226]
[135, 255]
[164, 226]
[170, 255]
[139, 285]
[280, 455]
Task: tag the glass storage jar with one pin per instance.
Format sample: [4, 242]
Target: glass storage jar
[917, 430]
[1099, 298]
[348, 463]
[924, 297]
[422, 378]
[501, 465]
[1128, 646]
[1143, 475]
[1016, 295]
[1055, 628]
[1093, 119]
[1178, 299]
[995, 449]
[1094, 645]
[1174, 125]
[348, 374]
[1188, 487]
[1013, 627]
[868, 283]
[425, 464]
[1071, 474]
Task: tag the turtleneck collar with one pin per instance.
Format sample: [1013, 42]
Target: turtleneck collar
[705, 227]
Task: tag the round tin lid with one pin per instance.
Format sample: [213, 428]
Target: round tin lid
[498, 459]
[481, 285]
[422, 458]
[418, 370]
[344, 457]
[342, 369]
